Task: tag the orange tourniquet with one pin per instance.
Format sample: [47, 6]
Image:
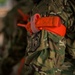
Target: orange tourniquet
[52, 24]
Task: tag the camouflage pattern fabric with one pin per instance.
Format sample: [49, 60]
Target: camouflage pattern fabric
[45, 52]
[47, 57]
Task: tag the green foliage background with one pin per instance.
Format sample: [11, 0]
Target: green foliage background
[2, 1]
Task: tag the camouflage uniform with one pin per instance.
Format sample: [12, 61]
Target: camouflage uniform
[45, 50]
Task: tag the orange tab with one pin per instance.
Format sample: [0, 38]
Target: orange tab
[51, 21]
[27, 26]
[25, 16]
